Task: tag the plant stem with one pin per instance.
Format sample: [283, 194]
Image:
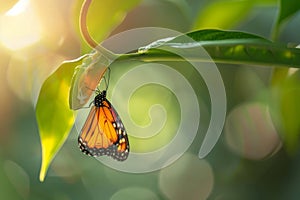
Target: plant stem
[85, 33]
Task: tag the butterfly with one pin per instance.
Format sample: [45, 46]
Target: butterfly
[103, 132]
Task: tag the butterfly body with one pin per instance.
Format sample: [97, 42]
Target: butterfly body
[103, 132]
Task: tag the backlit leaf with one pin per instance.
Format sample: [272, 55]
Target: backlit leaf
[287, 9]
[53, 115]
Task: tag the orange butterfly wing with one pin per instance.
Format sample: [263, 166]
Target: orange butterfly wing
[103, 132]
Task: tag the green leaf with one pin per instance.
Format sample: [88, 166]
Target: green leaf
[287, 9]
[223, 47]
[53, 115]
[103, 17]
[219, 35]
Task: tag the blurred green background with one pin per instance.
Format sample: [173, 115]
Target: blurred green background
[249, 160]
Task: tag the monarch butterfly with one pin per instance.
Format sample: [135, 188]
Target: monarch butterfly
[103, 132]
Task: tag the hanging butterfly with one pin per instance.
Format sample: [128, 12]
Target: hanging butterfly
[103, 132]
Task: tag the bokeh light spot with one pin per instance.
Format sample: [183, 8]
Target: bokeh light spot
[188, 178]
[134, 193]
[19, 26]
[18, 8]
[18, 178]
[249, 132]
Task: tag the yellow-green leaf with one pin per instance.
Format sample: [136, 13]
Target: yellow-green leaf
[54, 117]
[224, 14]
[286, 109]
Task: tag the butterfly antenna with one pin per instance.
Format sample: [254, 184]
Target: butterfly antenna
[106, 79]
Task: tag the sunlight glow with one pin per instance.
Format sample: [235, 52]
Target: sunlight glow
[19, 26]
[18, 8]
